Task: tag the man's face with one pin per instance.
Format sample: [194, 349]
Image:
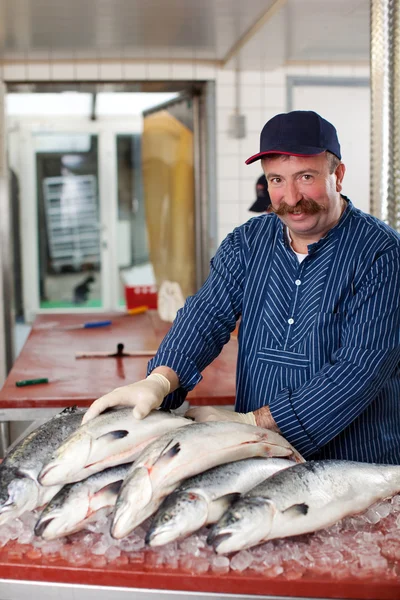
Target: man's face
[304, 195]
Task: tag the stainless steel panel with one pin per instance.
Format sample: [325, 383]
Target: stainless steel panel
[385, 110]
[26, 590]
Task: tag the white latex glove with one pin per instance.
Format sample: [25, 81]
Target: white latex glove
[144, 396]
[202, 414]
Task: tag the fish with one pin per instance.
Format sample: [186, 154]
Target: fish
[162, 466]
[20, 489]
[77, 504]
[305, 498]
[115, 437]
[203, 499]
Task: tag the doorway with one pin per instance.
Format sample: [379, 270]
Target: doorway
[84, 218]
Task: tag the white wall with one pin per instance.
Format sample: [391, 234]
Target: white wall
[348, 107]
[263, 94]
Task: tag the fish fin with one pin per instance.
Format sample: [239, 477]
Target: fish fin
[112, 488]
[296, 509]
[217, 507]
[106, 496]
[118, 434]
[70, 410]
[168, 452]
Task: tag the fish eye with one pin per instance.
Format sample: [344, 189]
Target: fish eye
[166, 518]
[234, 518]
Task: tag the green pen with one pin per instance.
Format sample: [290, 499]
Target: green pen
[24, 382]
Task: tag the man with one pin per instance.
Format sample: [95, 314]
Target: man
[316, 283]
[263, 200]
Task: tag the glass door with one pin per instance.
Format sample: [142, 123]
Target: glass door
[66, 214]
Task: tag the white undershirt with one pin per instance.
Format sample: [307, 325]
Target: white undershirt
[300, 257]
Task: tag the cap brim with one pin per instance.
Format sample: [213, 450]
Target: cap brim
[259, 206]
[304, 152]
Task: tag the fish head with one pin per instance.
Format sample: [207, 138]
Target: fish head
[180, 514]
[63, 515]
[247, 523]
[68, 460]
[134, 503]
[18, 494]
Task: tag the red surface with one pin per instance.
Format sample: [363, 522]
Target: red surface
[140, 295]
[144, 574]
[50, 352]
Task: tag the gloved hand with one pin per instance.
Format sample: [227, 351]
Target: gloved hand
[144, 396]
[202, 414]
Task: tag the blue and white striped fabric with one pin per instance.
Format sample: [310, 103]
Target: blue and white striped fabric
[319, 342]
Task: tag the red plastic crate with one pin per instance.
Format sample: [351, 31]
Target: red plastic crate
[141, 295]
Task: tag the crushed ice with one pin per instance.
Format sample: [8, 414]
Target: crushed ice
[362, 546]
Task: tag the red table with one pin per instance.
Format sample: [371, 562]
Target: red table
[50, 352]
[138, 578]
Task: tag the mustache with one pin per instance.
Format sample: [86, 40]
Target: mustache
[306, 205]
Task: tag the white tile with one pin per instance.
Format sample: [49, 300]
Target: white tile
[274, 95]
[226, 144]
[250, 77]
[276, 77]
[204, 71]
[87, 70]
[245, 214]
[225, 76]
[38, 71]
[250, 96]
[134, 71]
[248, 188]
[322, 70]
[298, 69]
[223, 231]
[228, 213]
[226, 97]
[361, 71]
[250, 145]
[182, 71]
[16, 72]
[223, 115]
[227, 166]
[341, 70]
[228, 190]
[62, 71]
[252, 171]
[255, 120]
[110, 71]
[159, 71]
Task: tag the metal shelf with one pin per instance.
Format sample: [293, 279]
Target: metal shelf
[72, 220]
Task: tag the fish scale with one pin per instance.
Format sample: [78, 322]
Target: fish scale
[160, 468]
[307, 497]
[112, 438]
[20, 489]
[76, 504]
[202, 499]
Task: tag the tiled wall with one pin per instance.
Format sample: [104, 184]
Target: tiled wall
[262, 94]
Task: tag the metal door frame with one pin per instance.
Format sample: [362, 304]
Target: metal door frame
[108, 203]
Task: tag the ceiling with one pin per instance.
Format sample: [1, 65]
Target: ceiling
[259, 32]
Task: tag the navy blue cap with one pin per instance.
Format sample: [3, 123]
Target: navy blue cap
[263, 199]
[298, 133]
